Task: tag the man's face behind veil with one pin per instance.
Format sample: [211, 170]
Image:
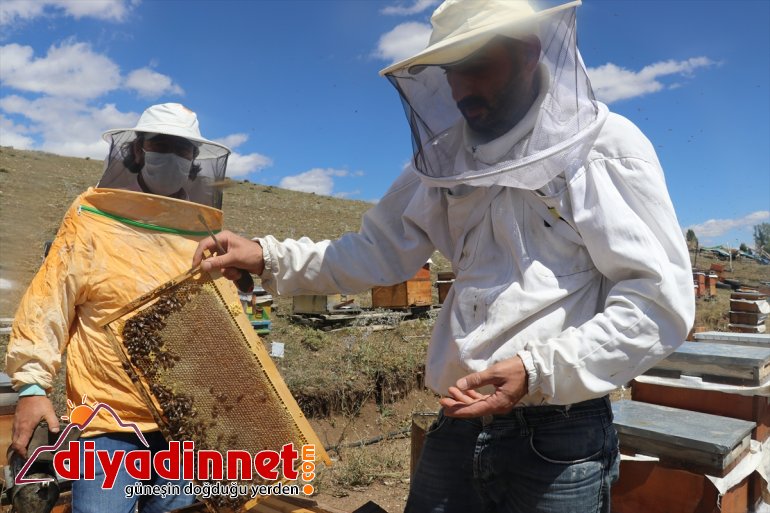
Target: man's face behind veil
[495, 87]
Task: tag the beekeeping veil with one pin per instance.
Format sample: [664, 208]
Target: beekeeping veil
[203, 184]
[554, 136]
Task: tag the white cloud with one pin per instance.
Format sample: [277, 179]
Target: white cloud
[241, 165]
[612, 83]
[232, 141]
[717, 227]
[65, 116]
[12, 11]
[70, 69]
[12, 134]
[403, 41]
[405, 10]
[317, 180]
[113, 10]
[151, 84]
[69, 126]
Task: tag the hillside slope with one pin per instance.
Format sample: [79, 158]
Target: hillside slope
[36, 188]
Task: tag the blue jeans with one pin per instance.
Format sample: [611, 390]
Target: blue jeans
[543, 459]
[89, 497]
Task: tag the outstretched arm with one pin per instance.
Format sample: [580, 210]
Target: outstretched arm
[388, 249]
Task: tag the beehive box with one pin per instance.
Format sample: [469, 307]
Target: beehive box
[689, 446]
[205, 375]
[718, 363]
[316, 304]
[738, 339]
[749, 305]
[444, 283]
[416, 291]
[651, 487]
[697, 442]
[747, 318]
[755, 408]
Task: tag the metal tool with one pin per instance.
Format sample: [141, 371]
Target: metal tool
[37, 497]
[245, 282]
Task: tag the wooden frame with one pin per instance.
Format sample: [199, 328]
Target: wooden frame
[230, 302]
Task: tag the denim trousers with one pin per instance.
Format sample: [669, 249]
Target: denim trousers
[541, 459]
[89, 497]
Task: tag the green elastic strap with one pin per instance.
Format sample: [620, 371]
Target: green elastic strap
[140, 224]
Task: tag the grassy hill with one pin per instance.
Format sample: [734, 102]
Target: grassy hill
[36, 188]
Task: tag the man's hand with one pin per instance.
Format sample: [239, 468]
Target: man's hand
[29, 412]
[510, 380]
[240, 253]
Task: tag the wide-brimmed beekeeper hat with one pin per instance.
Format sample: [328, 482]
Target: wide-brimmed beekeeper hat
[461, 27]
[168, 119]
[177, 120]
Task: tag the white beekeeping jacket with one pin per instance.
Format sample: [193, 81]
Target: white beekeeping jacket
[587, 302]
[585, 312]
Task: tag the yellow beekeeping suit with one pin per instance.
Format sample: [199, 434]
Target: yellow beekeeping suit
[112, 247]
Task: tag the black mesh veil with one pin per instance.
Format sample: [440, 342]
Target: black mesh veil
[555, 135]
[203, 185]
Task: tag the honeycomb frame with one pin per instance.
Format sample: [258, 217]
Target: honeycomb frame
[164, 369]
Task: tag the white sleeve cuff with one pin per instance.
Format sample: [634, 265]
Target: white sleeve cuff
[268, 273]
[533, 383]
[268, 261]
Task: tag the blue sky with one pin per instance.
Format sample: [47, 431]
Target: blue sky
[292, 87]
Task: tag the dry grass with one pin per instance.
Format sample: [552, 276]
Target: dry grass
[713, 314]
[337, 372]
[361, 466]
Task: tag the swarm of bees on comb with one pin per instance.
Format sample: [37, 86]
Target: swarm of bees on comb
[148, 353]
[206, 377]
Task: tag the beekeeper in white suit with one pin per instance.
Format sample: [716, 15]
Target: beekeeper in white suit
[572, 272]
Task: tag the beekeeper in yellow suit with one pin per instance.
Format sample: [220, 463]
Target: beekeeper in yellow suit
[137, 229]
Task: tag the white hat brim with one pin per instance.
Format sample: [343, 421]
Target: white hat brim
[456, 48]
[208, 149]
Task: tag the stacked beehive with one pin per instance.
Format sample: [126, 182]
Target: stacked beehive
[698, 411]
[748, 311]
[705, 283]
